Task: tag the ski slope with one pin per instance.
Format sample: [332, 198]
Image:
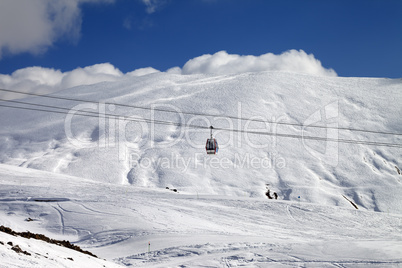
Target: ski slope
[117, 222]
[105, 177]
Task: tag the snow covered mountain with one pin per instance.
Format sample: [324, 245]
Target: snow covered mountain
[323, 144]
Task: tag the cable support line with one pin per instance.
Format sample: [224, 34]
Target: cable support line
[207, 115]
[95, 115]
[135, 119]
[315, 138]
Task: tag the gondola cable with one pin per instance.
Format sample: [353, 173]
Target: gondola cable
[129, 118]
[204, 114]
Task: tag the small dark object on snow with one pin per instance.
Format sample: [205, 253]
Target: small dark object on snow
[351, 202]
[17, 249]
[398, 170]
[10, 243]
[268, 194]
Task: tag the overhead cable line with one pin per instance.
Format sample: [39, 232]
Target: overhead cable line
[204, 114]
[135, 119]
[84, 113]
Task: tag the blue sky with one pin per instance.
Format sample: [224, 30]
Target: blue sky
[354, 37]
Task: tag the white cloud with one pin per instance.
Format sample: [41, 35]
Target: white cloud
[44, 80]
[90, 75]
[40, 80]
[153, 5]
[32, 79]
[142, 71]
[33, 26]
[296, 61]
[174, 70]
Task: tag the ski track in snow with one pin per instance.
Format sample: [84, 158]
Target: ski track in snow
[108, 193]
[290, 213]
[198, 231]
[240, 254]
[62, 226]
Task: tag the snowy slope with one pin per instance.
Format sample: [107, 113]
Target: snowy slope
[106, 175]
[41, 254]
[118, 222]
[159, 156]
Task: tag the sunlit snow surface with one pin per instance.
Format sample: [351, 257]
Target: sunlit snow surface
[105, 177]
